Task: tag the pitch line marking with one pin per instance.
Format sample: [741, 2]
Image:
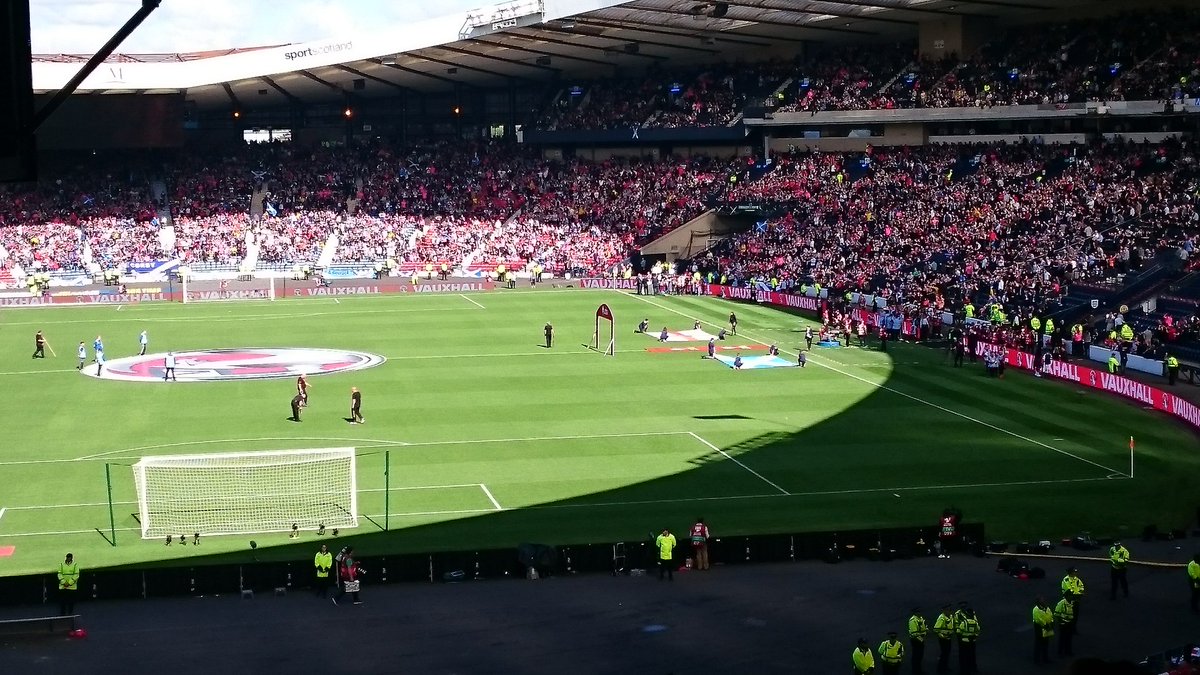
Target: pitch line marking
[735, 460]
[38, 372]
[2, 513]
[527, 439]
[819, 493]
[412, 357]
[240, 317]
[464, 297]
[485, 489]
[878, 385]
[419, 357]
[379, 443]
[209, 442]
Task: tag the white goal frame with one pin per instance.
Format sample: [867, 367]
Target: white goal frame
[231, 290]
[216, 494]
[603, 313]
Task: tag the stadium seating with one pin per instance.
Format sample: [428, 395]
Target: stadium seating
[1017, 223]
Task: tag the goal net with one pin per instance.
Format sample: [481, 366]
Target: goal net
[605, 337]
[244, 287]
[246, 492]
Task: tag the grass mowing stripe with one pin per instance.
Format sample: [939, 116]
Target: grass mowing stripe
[918, 399]
[680, 500]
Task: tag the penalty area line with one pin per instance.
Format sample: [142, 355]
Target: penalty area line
[735, 460]
[464, 297]
[486, 491]
[878, 385]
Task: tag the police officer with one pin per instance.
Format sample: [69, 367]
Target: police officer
[1073, 584]
[917, 630]
[1118, 557]
[1064, 612]
[943, 627]
[891, 653]
[68, 585]
[864, 660]
[1172, 369]
[967, 630]
[323, 562]
[1043, 630]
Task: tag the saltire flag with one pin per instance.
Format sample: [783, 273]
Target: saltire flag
[271, 210]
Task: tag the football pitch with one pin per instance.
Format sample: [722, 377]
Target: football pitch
[492, 440]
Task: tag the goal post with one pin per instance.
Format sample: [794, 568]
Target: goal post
[244, 287]
[609, 346]
[246, 492]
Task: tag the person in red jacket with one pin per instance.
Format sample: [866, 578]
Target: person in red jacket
[348, 573]
[699, 536]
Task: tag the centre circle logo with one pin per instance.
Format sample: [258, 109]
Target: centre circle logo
[222, 365]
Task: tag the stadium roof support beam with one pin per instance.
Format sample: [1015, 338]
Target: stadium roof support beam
[368, 76]
[452, 64]
[318, 80]
[418, 72]
[543, 52]
[232, 96]
[511, 62]
[667, 45]
[292, 98]
[713, 35]
[60, 96]
[1001, 3]
[577, 45]
[789, 24]
[805, 12]
[908, 8]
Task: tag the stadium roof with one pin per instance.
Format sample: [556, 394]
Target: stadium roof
[522, 42]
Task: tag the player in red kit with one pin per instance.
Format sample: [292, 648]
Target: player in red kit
[302, 390]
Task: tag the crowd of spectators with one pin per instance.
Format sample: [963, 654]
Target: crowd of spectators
[277, 204]
[1010, 225]
[712, 95]
[1147, 55]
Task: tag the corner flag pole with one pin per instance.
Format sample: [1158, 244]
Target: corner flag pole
[387, 487]
[112, 521]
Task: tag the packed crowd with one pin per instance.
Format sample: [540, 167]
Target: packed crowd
[708, 96]
[477, 203]
[1008, 225]
[1148, 55]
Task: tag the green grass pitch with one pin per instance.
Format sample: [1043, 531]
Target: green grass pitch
[494, 440]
